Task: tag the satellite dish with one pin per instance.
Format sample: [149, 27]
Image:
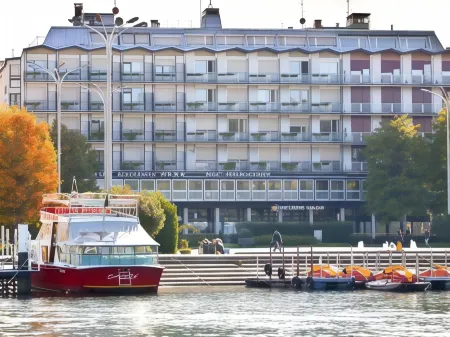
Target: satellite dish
[302, 21]
[115, 10]
[119, 21]
[98, 18]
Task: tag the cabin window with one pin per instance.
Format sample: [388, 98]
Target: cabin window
[90, 250]
[143, 249]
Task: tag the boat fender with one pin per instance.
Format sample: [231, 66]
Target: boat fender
[296, 282]
[281, 273]
[268, 269]
[309, 282]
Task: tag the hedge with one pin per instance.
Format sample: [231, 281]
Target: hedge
[288, 240]
[332, 231]
[168, 235]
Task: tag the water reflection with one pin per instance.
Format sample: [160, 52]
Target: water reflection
[230, 311]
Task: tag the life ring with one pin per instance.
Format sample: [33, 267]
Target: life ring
[281, 273]
[296, 282]
[268, 269]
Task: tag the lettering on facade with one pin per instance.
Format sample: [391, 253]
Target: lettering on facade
[182, 174]
[276, 208]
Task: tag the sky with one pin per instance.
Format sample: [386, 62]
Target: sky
[22, 20]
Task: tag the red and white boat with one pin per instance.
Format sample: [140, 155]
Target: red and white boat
[93, 242]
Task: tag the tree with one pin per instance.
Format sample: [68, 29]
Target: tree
[168, 236]
[151, 213]
[435, 165]
[78, 160]
[396, 182]
[27, 165]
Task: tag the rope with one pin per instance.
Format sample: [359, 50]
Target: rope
[190, 270]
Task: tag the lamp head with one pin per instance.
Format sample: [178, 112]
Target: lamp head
[133, 20]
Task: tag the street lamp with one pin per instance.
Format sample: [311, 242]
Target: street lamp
[59, 81]
[446, 100]
[108, 39]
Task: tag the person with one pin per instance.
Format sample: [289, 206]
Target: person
[408, 235]
[400, 240]
[276, 241]
[219, 245]
[427, 237]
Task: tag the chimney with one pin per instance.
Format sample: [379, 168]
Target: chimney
[154, 23]
[317, 23]
[78, 9]
[337, 24]
[211, 18]
[290, 27]
[392, 27]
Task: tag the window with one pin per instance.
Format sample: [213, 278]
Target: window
[237, 125]
[14, 70]
[329, 68]
[211, 190]
[133, 183]
[267, 96]
[260, 40]
[259, 190]
[329, 125]
[230, 40]
[179, 190]
[14, 99]
[358, 154]
[306, 189]
[127, 39]
[363, 189]
[274, 187]
[15, 83]
[203, 67]
[353, 42]
[96, 39]
[383, 42]
[141, 39]
[147, 185]
[298, 129]
[353, 190]
[195, 189]
[413, 43]
[292, 41]
[298, 96]
[227, 190]
[166, 40]
[243, 190]
[337, 190]
[198, 40]
[164, 187]
[322, 189]
[298, 67]
[290, 190]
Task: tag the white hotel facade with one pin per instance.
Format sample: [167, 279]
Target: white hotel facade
[229, 122]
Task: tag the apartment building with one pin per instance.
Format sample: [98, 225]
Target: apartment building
[240, 125]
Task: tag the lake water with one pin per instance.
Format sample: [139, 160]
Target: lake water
[230, 311]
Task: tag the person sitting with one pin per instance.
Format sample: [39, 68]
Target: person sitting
[219, 246]
[277, 241]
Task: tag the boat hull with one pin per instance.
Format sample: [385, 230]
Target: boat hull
[324, 283]
[438, 283]
[398, 286]
[97, 279]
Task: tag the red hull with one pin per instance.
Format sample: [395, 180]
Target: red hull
[118, 279]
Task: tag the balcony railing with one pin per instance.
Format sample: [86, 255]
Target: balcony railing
[265, 166]
[264, 106]
[97, 75]
[357, 78]
[172, 76]
[264, 77]
[234, 165]
[327, 137]
[165, 135]
[232, 77]
[96, 136]
[358, 167]
[203, 165]
[201, 77]
[132, 77]
[201, 136]
[358, 107]
[96, 106]
[324, 78]
[232, 106]
[326, 107]
[358, 138]
[233, 136]
[133, 106]
[295, 78]
[201, 106]
[300, 166]
[32, 105]
[71, 105]
[326, 166]
[132, 135]
[36, 75]
[265, 136]
[165, 106]
[132, 165]
[399, 108]
[295, 107]
[295, 136]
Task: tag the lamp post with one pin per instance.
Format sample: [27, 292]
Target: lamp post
[108, 39]
[446, 100]
[55, 75]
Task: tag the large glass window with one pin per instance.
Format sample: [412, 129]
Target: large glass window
[290, 190]
[179, 190]
[133, 183]
[306, 189]
[195, 189]
[227, 190]
[211, 190]
[353, 190]
[383, 42]
[259, 190]
[298, 96]
[337, 190]
[353, 42]
[413, 43]
[267, 96]
[322, 189]
[243, 190]
[329, 125]
[164, 187]
[127, 39]
[274, 190]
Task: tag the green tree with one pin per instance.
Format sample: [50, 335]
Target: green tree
[78, 160]
[395, 184]
[168, 236]
[151, 212]
[435, 165]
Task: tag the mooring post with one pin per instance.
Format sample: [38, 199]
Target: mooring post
[2, 234]
[24, 279]
[298, 261]
[257, 268]
[417, 266]
[7, 241]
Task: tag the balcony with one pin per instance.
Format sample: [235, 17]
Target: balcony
[295, 107]
[265, 166]
[201, 77]
[295, 136]
[132, 135]
[233, 136]
[234, 165]
[162, 106]
[33, 105]
[133, 106]
[131, 77]
[320, 78]
[357, 138]
[300, 166]
[358, 167]
[201, 106]
[132, 165]
[326, 166]
[97, 75]
[96, 136]
[165, 135]
[36, 75]
[168, 165]
[265, 136]
[326, 107]
[171, 76]
[358, 107]
[264, 78]
[203, 165]
[358, 78]
[96, 106]
[264, 106]
[295, 78]
[201, 136]
[232, 77]
[327, 137]
[71, 105]
[233, 106]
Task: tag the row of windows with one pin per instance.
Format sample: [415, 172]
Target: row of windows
[245, 190]
[268, 40]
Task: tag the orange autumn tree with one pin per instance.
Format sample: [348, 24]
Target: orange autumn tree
[27, 165]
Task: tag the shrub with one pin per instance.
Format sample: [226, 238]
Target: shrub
[184, 244]
[288, 240]
[185, 251]
[441, 227]
[168, 236]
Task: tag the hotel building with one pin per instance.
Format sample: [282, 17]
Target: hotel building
[227, 123]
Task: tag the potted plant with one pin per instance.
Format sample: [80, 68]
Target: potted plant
[289, 166]
[317, 166]
[229, 166]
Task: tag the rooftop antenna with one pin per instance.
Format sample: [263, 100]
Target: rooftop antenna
[302, 20]
[348, 8]
[210, 5]
[12, 53]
